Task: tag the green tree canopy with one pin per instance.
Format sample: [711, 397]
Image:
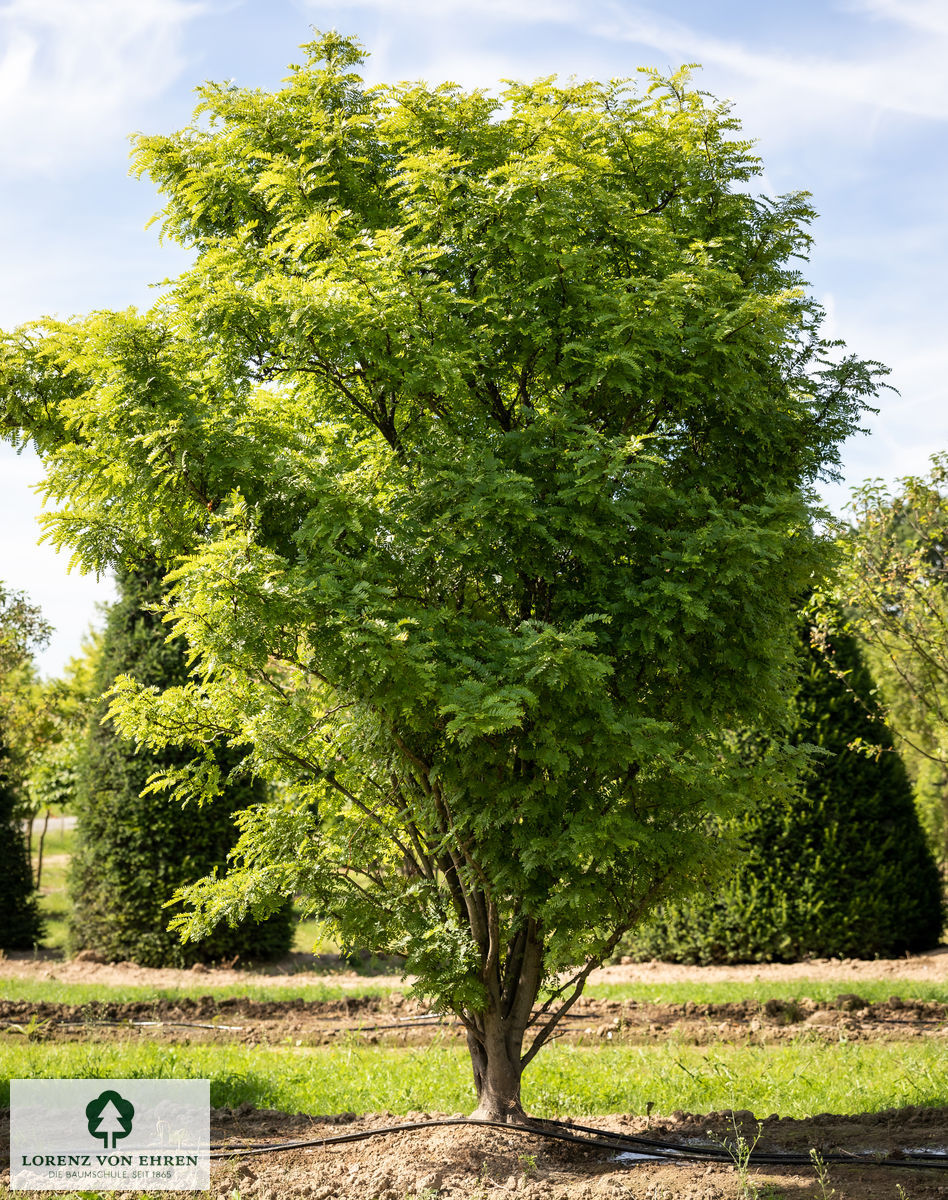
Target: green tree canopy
[894, 584]
[481, 436]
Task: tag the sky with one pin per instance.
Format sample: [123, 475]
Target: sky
[847, 99]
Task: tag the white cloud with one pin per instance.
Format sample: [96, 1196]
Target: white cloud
[903, 74]
[906, 76]
[499, 10]
[72, 73]
[931, 16]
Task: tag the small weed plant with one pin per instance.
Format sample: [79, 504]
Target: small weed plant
[822, 1176]
[739, 1150]
[528, 1165]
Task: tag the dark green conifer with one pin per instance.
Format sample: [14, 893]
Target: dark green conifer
[134, 851]
[842, 871]
[20, 924]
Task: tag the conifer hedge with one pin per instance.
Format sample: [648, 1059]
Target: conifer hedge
[842, 871]
[134, 851]
[20, 924]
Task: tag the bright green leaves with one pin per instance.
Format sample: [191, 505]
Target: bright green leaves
[477, 442]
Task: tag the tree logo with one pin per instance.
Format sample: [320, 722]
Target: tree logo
[110, 1115]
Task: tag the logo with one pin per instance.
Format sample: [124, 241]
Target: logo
[64, 1140]
[110, 1115]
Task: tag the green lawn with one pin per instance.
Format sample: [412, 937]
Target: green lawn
[38, 991]
[54, 902]
[323, 988]
[733, 991]
[795, 1079]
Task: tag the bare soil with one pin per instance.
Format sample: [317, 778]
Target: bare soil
[301, 970]
[395, 1020]
[468, 1162]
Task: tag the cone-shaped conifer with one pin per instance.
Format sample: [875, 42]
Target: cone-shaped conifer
[134, 851]
[20, 924]
[844, 870]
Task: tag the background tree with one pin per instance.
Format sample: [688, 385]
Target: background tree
[22, 630]
[49, 723]
[893, 586]
[827, 874]
[483, 434]
[133, 850]
[20, 924]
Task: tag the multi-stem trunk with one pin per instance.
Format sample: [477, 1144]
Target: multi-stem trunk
[495, 1058]
[496, 1032]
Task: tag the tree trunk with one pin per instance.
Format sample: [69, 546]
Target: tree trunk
[495, 1059]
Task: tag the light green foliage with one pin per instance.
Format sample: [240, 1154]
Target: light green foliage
[67, 703]
[23, 631]
[482, 434]
[44, 720]
[893, 583]
[822, 1176]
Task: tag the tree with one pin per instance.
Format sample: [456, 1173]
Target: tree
[482, 434]
[133, 849]
[25, 724]
[20, 923]
[826, 874]
[22, 630]
[66, 702]
[893, 586]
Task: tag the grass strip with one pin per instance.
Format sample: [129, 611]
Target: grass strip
[733, 991]
[794, 1079]
[36, 991]
[322, 988]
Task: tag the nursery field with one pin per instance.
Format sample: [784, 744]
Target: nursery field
[814, 1062]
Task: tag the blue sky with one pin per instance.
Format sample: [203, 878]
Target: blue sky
[845, 98]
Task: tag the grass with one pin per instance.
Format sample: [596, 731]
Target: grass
[58, 840]
[54, 901]
[310, 938]
[322, 988]
[50, 991]
[734, 991]
[796, 1078]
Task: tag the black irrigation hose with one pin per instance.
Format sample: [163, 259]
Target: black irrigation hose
[843, 1158]
[604, 1139]
[364, 1134]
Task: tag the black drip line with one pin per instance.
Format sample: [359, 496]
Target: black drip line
[604, 1139]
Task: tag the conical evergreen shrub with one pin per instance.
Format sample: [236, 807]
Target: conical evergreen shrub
[134, 851]
[20, 923]
[842, 871]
